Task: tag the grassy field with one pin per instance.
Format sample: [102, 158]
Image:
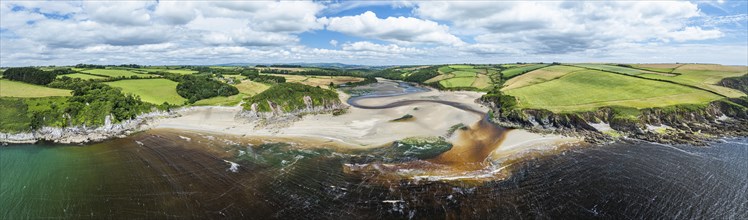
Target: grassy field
[482, 82]
[509, 73]
[705, 76]
[246, 88]
[18, 89]
[662, 67]
[81, 76]
[176, 71]
[539, 76]
[463, 74]
[445, 70]
[457, 82]
[612, 68]
[461, 67]
[589, 89]
[156, 91]
[321, 81]
[250, 88]
[114, 73]
[222, 101]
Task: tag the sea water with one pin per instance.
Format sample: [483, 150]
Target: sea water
[157, 174]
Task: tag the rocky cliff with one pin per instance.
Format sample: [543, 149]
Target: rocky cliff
[691, 124]
[83, 134]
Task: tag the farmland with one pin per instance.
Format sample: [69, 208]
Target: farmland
[114, 73]
[539, 76]
[589, 89]
[515, 71]
[81, 76]
[246, 88]
[462, 76]
[18, 89]
[321, 81]
[176, 71]
[613, 68]
[156, 91]
[704, 76]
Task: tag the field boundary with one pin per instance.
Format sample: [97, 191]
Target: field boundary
[660, 80]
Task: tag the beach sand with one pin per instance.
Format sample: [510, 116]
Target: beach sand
[359, 128]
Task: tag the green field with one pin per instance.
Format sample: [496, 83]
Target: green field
[539, 76]
[463, 74]
[482, 82]
[156, 91]
[705, 76]
[457, 82]
[176, 71]
[18, 89]
[81, 76]
[221, 100]
[665, 67]
[590, 89]
[612, 68]
[461, 67]
[115, 73]
[509, 73]
[445, 69]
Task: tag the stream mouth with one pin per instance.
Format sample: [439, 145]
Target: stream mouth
[469, 155]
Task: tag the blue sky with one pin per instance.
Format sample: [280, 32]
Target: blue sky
[371, 32]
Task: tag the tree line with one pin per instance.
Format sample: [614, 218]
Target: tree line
[29, 75]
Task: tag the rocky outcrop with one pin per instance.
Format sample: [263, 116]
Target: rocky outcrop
[277, 113]
[83, 134]
[685, 124]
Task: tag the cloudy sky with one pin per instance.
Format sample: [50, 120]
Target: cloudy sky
[372, 33]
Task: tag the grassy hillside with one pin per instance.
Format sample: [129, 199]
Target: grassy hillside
[703, 76]
[246, 88]
[18, 89]
[114, 73]
[589, 89]
[155, 91]
[81, 76]
[321, 81]
[518, 70]
[539, 76]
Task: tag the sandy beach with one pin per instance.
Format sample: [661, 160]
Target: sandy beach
[362, 128]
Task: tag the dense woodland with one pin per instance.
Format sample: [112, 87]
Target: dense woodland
[29, 75]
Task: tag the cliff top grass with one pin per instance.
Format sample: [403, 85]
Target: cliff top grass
[24, 90]
[585, 90]
[539, 76]
[155, 91]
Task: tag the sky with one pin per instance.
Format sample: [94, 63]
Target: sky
[40, 33]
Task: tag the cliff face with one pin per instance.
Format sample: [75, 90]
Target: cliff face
[678, 124]
[83, 134]
[277, 112]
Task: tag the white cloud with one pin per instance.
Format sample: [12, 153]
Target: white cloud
[562, 27]
[404, 30]
[205, 32]
[369, 46]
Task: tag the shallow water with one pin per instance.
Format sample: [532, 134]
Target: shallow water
[158, 174]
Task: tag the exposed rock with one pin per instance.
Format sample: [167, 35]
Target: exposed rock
[83, 134]
[681, 125]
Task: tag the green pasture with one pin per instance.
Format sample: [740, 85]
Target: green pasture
[24, 90]
[156, 91]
